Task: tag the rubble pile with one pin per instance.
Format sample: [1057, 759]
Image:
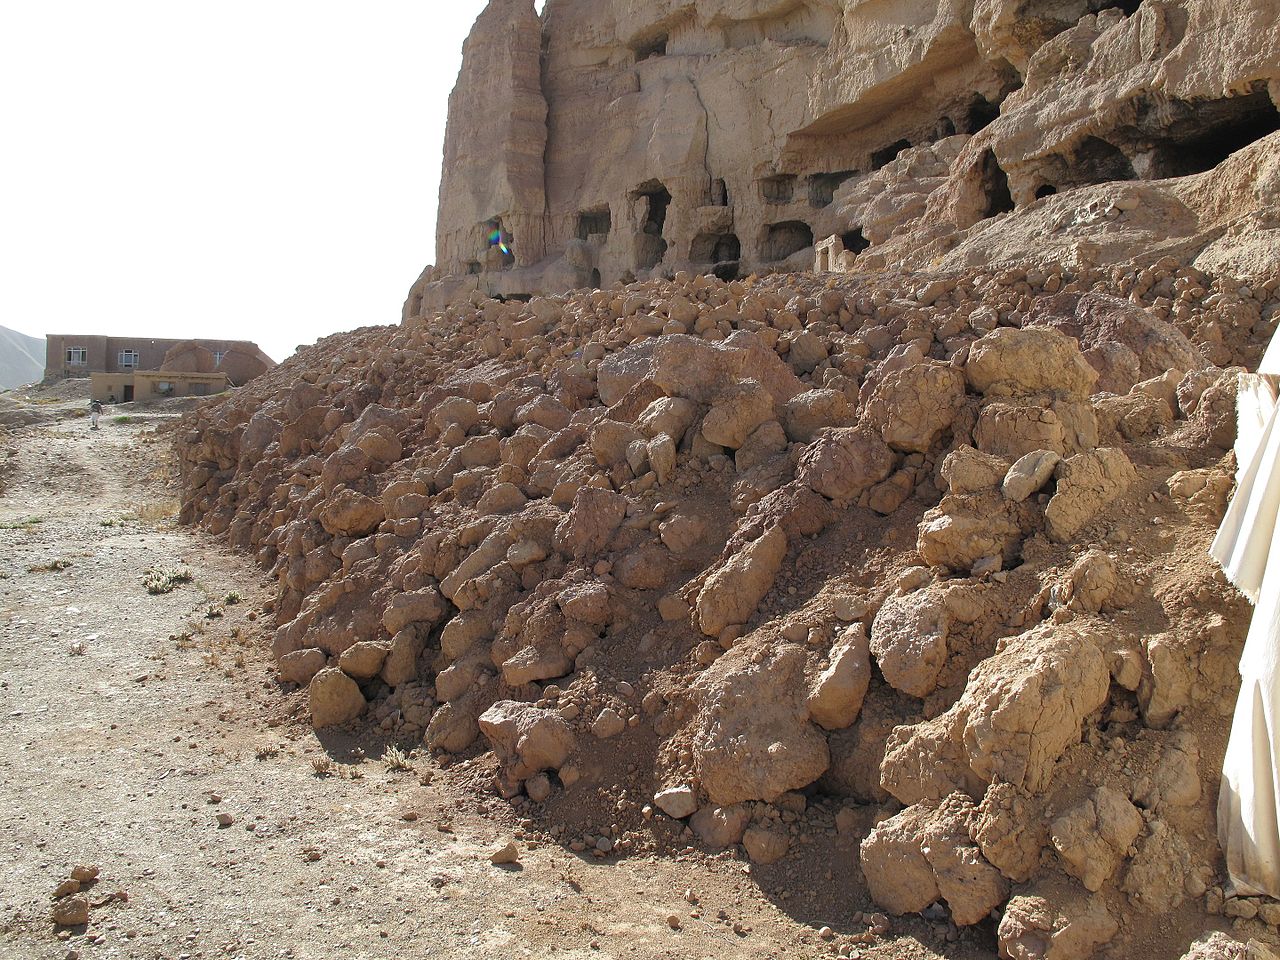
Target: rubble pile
[917, 558]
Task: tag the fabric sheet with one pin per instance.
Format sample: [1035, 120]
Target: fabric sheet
[1247, 548]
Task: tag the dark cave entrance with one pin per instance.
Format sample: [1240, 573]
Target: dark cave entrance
[785, 239]
[980, 115]
[654, 47]
[594, 223]
[1097, 161]
[656, 199]
[886, 155]
[854, 241]
[995, 185]
[1194, 137]
[595, 279]
[823, 186]
[779, 189]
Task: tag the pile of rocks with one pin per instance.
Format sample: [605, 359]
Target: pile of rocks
[929, 545]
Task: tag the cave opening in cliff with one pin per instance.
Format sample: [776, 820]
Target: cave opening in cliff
[995, 185]
[1197, 136]
[1097, 161]
[886, 155]
[980, 115]
[823, 186]
[786, 239]
[594, 223]
[719, 193]
[854, 241]
[653, 47]
[715, 248]
[499, 244]
[779, 189]
[1128, 7]
[474, 267]
[1045, 190]
[595, 280]
[654, 199]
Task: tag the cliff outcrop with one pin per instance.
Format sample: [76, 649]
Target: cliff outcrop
[614, 141]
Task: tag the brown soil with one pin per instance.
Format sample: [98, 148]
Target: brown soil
[133, 720]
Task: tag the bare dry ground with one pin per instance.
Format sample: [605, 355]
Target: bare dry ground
[132, 721]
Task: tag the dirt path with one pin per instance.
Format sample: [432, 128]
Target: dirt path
[131, 721]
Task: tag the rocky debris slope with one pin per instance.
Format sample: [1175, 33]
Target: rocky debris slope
[912, 558]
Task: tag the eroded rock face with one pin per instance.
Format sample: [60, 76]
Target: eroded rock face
[652, 157]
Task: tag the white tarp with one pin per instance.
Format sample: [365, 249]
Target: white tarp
[1246, 546]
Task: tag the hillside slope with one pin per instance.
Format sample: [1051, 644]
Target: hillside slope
[901, 570]
[21, 358]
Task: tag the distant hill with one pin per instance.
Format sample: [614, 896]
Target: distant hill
[21, 359]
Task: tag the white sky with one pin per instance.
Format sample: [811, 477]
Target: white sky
[254, 169]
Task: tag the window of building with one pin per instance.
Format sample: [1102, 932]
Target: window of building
[217, 358]
[128, 359]
[77, 356]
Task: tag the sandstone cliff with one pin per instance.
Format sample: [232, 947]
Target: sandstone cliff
[612, 140]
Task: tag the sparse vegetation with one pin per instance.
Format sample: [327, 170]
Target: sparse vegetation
[232, 599]
[322, 765]
[213, 613]
[122, 420]
[165, 581]
[157, 510]
[50, 566]
[26, 523]
[396, 760]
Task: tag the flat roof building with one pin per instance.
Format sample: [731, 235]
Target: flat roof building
[80, 355]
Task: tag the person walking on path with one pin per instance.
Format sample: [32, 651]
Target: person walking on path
[95, 411]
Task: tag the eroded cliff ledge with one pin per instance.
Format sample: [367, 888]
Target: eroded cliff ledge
[612, 141]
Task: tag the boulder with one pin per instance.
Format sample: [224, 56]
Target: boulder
[351, 514]
[843, 463]
[335, 699]
[734, 591]
[1020, 711]
[591, 523]
[1033, 929]
[835, 699]
[751, 733]
[909, 641]
[364, 659]
[913, 406]
[526, 739]
[1087, 486]
[736, 414]
[1094, 836]
[1029, 475]
[925, 853]
[413, 607]
[677, 802]
[720, 827]
[968, 470]
[301, 666]
[766, 845]
[1009, 362]
[814, 410]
